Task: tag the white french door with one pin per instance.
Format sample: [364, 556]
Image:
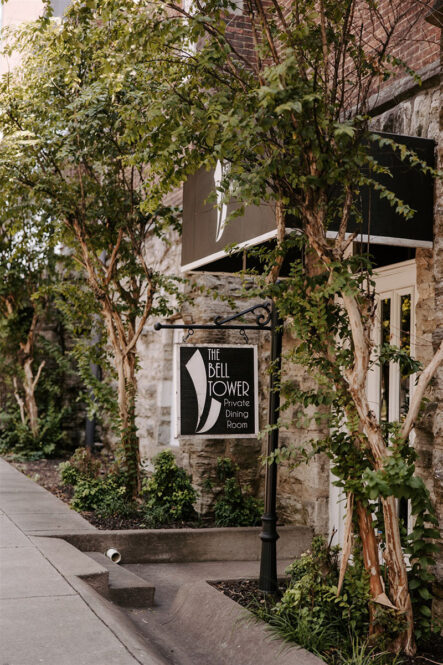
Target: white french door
[388, 391]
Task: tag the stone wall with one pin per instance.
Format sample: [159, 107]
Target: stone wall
[422, 115]
[303, 492]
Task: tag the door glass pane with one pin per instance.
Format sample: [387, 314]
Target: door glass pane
[405, 344]
[403, 511]
[59, 7]
[385, 312]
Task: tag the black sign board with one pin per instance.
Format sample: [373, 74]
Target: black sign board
[206, 233]
[217, 391]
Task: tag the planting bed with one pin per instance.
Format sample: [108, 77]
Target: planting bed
[45, 472]
[247, 594]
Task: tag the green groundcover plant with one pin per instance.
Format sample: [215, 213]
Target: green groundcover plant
[167, 496]
[332, 625]
[16, 437]
[108, 495]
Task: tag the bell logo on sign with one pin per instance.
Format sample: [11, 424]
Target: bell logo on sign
[217, 391]
[197, 371]
[222, 207]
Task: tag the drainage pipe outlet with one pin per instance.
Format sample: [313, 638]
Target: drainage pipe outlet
[114, 555]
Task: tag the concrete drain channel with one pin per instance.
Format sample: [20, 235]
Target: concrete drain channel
[158, 602]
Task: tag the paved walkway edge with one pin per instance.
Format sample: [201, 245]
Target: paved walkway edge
[68, 618]
[90, 581]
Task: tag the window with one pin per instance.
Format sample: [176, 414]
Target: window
[389, 390]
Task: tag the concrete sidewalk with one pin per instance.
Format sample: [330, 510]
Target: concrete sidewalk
[43, 617]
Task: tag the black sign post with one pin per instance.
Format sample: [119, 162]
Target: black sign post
[269, 536]
[265, 319]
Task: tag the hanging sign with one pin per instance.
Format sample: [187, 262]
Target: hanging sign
[217, 391]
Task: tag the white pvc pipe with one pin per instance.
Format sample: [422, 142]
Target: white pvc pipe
[114, 555]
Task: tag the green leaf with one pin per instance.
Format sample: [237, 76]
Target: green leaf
[425, 594]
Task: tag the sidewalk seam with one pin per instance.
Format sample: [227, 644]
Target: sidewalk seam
[78, 594]
[75, 591]
[58, 595]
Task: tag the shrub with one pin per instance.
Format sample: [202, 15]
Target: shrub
[312, 592]
[95, 493]
[82, 466]
[235, 506]
[312, 615]
[117, 503]
[169, 495]
[107, 496]
[17, 438]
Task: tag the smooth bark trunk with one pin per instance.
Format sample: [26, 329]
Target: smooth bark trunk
[127, 390]
[30, 401]
[27, 405]
[397, 576]
[393, 552]
[20, 401]
[372, 566]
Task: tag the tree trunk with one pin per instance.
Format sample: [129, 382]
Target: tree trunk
[371, 563]
[30, 402]
[127, 390]
[19, 400]
[393, 552]
[397, 576]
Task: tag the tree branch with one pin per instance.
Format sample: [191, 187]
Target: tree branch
[113, 258]
[417, 395]
[143, 319]
[37, 376]
[20, 401]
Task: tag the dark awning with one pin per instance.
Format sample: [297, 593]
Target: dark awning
[205, 237]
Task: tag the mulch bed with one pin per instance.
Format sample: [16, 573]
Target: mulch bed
[45, 473]
[247, 594]
[115, 523]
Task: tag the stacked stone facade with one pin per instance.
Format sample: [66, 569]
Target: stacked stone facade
[419, 113]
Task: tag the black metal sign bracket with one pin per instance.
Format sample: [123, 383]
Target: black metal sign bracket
[263, 317]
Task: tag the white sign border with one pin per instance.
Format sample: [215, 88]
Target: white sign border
[176, 361]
